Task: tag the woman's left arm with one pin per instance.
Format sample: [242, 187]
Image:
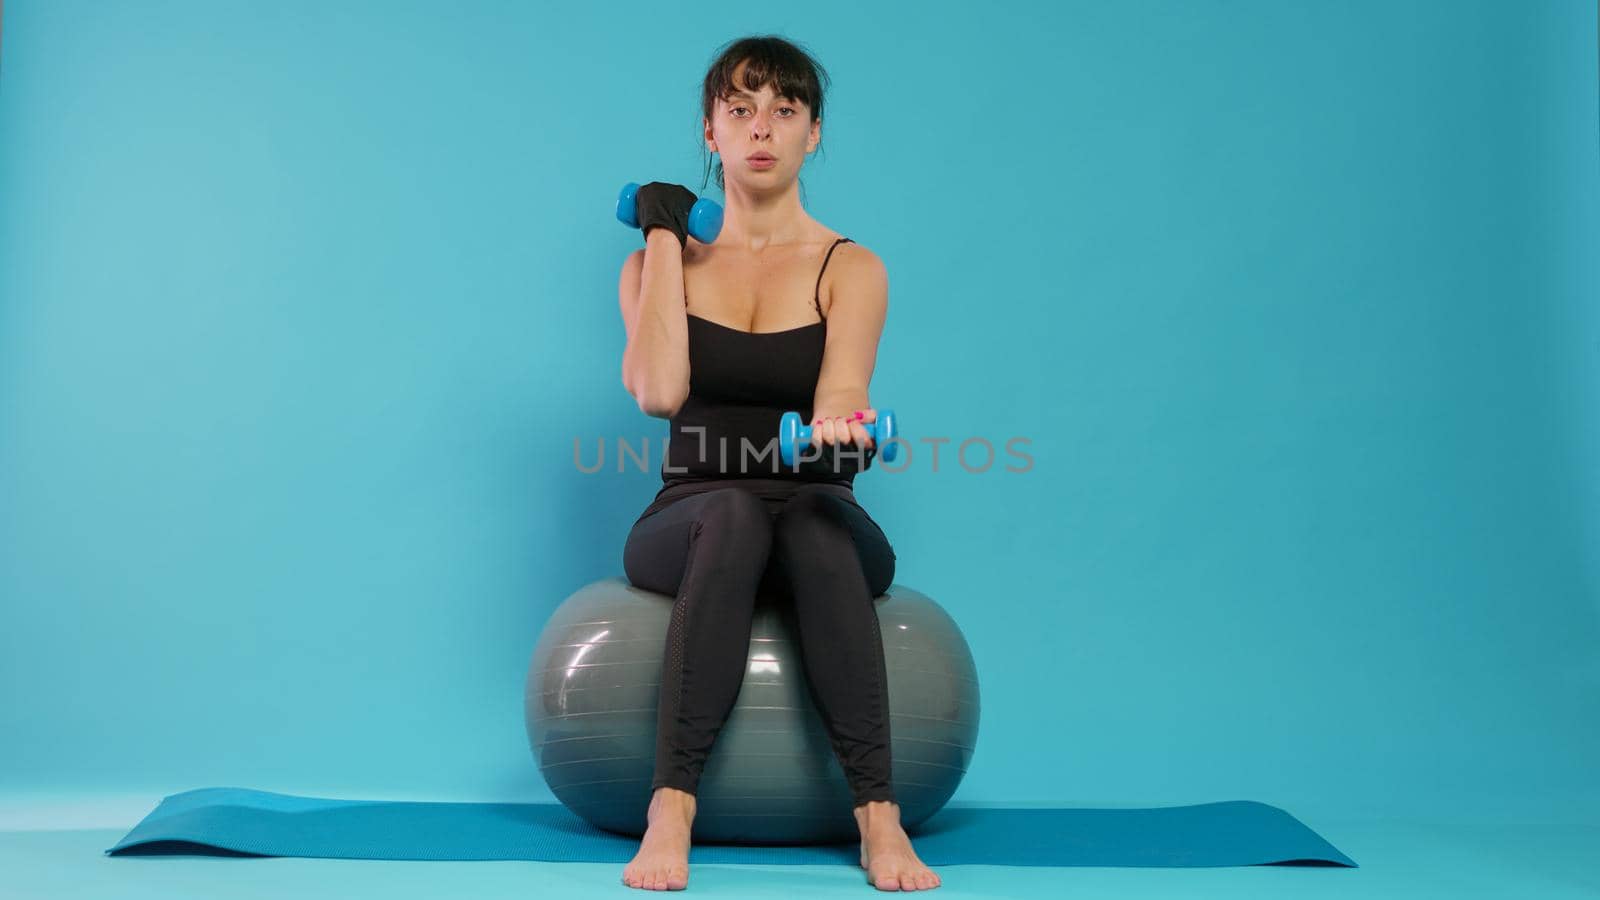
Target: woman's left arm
[858, 308]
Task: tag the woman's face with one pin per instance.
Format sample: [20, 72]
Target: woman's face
[746, 124]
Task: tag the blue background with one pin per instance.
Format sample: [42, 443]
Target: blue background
[303, 306]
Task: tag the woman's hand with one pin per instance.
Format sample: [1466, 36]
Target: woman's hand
[843, 429]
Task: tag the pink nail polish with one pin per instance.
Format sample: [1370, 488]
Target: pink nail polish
[860, 414]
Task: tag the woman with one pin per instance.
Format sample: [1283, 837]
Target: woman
[766, 325]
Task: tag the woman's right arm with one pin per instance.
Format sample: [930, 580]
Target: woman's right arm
[655, 362]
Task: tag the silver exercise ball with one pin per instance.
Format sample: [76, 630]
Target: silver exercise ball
[772, 777]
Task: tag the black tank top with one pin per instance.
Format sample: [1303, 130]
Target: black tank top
[740, 385]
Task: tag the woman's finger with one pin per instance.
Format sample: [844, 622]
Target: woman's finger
[859, 433]
[824, 431]
[838, 432]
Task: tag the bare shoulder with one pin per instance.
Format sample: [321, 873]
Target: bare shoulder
[856, 285]
[859, 258]
[861, 272]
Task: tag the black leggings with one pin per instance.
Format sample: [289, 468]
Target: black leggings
[710, 543]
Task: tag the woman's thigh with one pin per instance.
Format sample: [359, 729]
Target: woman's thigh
[657, 550]
[872, 546]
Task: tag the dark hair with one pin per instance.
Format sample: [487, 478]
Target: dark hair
[793, 73]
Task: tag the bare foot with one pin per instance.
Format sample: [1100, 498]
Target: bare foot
[886, 851]
[662, 863]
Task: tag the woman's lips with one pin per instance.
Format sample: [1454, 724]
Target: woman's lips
[761, 162]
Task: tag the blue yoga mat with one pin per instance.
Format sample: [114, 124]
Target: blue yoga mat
[235, 821]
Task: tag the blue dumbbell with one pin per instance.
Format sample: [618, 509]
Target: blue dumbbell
[791, 434]
[705, 217]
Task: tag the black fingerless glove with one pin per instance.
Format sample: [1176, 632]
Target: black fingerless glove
[663, 205]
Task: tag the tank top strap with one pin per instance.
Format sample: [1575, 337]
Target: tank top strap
[816, 297]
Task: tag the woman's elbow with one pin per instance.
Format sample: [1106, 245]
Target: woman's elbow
[662, 407]
[654, 403]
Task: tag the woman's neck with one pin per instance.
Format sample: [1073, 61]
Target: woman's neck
[754, 220]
